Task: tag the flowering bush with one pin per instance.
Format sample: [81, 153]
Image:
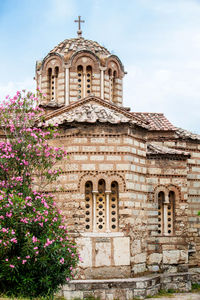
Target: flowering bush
[36, 253]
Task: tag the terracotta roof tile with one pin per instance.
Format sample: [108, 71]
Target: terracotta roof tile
[157, 150]
[185, 134]
[157, 121]
[78, 44]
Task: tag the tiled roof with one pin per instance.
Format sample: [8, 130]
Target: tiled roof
[78, 44]
[184, 134]
[89, 113]
[157, 121]
[158, 150]
[91, 110]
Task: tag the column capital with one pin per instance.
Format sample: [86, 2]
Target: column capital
[95, 192]
[102, 68]
[108, 192]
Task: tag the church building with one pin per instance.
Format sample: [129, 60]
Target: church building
[130, 186]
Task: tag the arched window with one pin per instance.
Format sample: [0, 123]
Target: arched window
[166, 205]
[101, 207]
[88, 206]
[80, 81]
[88, 80]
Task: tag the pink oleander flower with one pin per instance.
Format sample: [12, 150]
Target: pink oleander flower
[12, 266]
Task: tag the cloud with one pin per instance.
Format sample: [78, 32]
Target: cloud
[11, 87]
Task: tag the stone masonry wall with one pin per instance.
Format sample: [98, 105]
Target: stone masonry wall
[112, 153]
[167, 252]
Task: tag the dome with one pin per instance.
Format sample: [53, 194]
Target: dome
[79, 44]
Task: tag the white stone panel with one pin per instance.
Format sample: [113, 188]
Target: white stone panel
[103, 254]
[85, 251]
[121, 251]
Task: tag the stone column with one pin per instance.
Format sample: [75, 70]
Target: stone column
[102, 81]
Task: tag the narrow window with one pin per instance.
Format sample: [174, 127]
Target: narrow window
[113, 207]
[56, 82]
[161, 200]
[110, 84]
[170, 213]
[50, 83]
[101, 207]
[166, 213]
[88, 80]
[88, 206]
[80, 81]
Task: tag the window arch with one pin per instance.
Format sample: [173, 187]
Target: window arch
[166, 209]
[101, 207]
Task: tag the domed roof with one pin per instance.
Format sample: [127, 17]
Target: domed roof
[79, 44]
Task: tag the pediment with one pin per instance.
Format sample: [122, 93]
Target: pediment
[92, 110]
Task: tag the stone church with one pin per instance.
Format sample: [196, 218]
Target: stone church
[130, 186]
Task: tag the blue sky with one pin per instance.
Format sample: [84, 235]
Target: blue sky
[158, 41]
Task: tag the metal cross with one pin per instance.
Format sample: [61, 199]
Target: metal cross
[79, 21]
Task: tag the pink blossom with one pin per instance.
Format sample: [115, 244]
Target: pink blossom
[62, 260]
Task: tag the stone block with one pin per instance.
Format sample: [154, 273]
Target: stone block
[121, 251]
[69, 295]
[139, 258]
[88, 167]
[154, 258]
[109, 297]
[175, 257]
[153, 268]
[139, 268]
[103, 254]
[97, 157]
[85, 250]
[136, 247]
[106, 167]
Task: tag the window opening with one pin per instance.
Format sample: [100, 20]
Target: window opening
[80, 81]
[101, 207]
[88, 205]
[161, 200]
[113, 213]
[166, 213]
[89, 79]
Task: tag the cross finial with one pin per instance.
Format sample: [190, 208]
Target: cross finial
[79, 21]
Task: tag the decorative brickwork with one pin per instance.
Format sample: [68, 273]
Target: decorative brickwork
[130, 186]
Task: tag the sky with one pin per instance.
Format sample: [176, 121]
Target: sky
[158, 42]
